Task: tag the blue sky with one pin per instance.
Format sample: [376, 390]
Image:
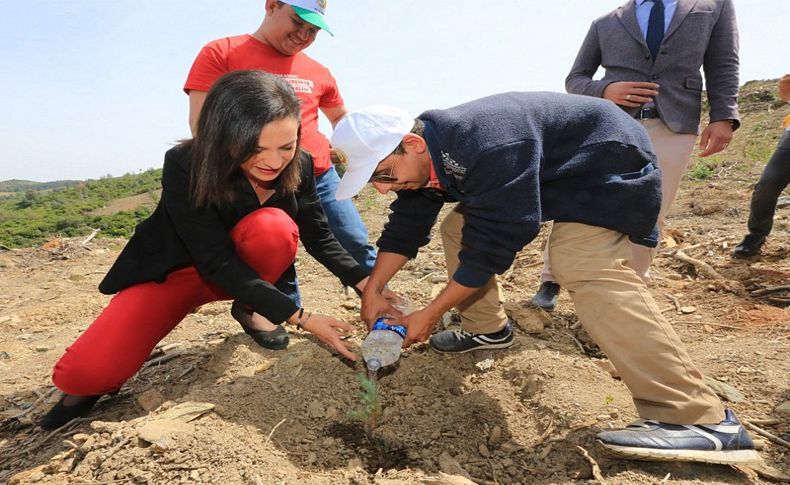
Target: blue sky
[93, 87]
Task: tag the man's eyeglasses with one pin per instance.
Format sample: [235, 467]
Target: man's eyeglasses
[384, 178]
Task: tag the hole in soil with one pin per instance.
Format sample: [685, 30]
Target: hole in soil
[376, 453]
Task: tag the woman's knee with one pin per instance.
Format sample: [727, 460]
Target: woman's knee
[81, 375]
[267, 240]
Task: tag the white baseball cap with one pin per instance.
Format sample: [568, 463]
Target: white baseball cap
[363, 139]
[311, 11]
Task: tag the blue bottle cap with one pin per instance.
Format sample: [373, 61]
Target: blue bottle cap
[381, 324]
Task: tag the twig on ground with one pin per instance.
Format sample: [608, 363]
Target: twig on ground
[33, 406]
[770, 289]
[765, 421]
[108, 482]
[578, 344]
[189, 369]
[532, 264]
[481, 481]
[268, 438]
[164, 358]
[46, 438]
[493, 471]
[666, 478]
[596, 470]
[169, 347]
[701, 266]
[546, 433]
[114, 450]
[91, 236]
[674, 301]
[689, 322]
[699, 245]
[766, 434]
[432, 273]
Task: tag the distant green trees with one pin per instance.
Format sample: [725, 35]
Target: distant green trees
[35, 216]
[25, 185]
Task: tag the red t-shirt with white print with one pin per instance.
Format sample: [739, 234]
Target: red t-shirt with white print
[313, 83]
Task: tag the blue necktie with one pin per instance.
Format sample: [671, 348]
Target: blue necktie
[655, 28]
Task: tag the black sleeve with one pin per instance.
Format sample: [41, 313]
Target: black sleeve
[209, 244]
[314, 231]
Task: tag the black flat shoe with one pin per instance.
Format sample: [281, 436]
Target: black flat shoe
[61, 414]
[750, 246]
[276, 339]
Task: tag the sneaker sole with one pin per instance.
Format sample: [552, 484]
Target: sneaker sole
[734, 457]
[503, 345]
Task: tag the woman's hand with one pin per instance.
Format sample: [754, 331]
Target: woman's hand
[329, 330]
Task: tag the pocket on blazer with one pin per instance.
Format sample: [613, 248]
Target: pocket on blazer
[693, 84]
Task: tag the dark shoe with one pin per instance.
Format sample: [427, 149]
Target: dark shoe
[726, 442]
[750, 246]
[546, 297]
[459, 341]
[276, 339]
[61, 414]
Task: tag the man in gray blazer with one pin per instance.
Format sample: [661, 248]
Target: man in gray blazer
[654, 75]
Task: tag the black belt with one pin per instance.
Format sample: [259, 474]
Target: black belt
[646, 114]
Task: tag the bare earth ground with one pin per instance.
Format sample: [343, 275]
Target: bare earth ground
[522, 415]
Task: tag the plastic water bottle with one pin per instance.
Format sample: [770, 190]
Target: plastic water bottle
[382, 345]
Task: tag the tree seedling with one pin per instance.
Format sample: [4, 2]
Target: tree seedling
[371, 404]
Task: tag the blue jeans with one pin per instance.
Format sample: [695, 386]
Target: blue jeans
[345, 224]
[344, 220]
[288, 284]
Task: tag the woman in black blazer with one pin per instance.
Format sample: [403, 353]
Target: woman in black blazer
[236, 198]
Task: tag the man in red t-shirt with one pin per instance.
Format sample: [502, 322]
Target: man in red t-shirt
[289, 27]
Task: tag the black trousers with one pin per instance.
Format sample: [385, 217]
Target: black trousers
[773, 180]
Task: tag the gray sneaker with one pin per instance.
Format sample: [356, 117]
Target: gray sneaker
[459, 341]
[726, 442]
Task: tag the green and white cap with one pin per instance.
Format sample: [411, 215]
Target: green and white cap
[311, 11]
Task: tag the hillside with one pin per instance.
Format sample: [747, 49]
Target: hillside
[113, 205]
[15, 185]
[524, 415]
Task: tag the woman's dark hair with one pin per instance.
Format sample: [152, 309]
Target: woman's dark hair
[237, 107]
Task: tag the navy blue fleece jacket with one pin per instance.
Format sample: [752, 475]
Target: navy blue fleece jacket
[515, 159]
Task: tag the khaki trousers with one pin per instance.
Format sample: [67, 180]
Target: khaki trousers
[616, 309]
[483, 312]
[674, 152]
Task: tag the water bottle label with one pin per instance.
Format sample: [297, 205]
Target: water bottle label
[381, 324]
